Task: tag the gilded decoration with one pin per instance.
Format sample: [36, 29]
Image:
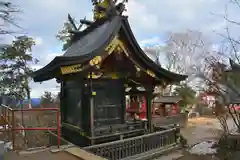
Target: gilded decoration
[95, 61]
[150, 73]
[71, 69]
[95, 75]
[112, 75]
[100, 14]
[116, 45]
[137, 68]
[104, 8]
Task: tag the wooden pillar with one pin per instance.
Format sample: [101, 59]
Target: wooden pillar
[62, 102]
[149, 107]
[91, 108]
[123, 105]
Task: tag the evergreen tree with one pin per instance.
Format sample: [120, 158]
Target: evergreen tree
[15, 69]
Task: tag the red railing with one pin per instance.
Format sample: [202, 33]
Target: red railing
[8, 120]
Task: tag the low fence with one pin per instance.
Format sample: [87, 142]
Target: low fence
[17, 122]
[133, 146]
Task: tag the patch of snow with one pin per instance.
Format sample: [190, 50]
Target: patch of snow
[2, 127]
[231, 124]
[203, 148]
[192, 114]
[8, 146]
[234, 131]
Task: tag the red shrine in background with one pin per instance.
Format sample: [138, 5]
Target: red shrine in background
[137, 107]
[162, 106]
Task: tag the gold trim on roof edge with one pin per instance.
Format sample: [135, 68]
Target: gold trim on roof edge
[116, 44]
[71, 69]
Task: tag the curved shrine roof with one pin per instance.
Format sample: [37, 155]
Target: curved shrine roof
[91, 43]
[167, 99]
[94, 40]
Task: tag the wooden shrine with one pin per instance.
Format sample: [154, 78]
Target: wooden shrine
[95, 71]
[167, 111]
[166, 105]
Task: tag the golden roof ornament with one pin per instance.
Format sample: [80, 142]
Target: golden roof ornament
[104, 8]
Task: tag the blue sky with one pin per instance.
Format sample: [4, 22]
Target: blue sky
[151, 21]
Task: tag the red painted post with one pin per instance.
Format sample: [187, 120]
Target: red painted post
[13, 130]
[58, 128]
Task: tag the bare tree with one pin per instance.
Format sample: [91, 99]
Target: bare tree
[220, 83]
[226, 82]
[231, 40]
[186, 51]
[154, 52]
[7, 19]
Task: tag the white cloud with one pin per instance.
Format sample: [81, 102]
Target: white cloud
[56, 6]
[36, 66]
[89, 15]
[140, 17]
[38, 41]
[164, 16]
[50, 56]
[47, 57]
[151, 42]
[37, 89]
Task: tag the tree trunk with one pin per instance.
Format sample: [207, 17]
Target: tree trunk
[28, 94]
[170, 90]
[223, 121]
[29, 99]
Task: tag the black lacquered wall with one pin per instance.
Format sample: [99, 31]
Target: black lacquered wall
[108, 102]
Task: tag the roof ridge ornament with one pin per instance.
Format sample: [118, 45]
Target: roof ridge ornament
[107, 8]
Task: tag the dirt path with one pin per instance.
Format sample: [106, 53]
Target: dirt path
[196, 131]
[201, 129]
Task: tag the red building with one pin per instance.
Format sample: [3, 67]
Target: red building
[207, 99]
